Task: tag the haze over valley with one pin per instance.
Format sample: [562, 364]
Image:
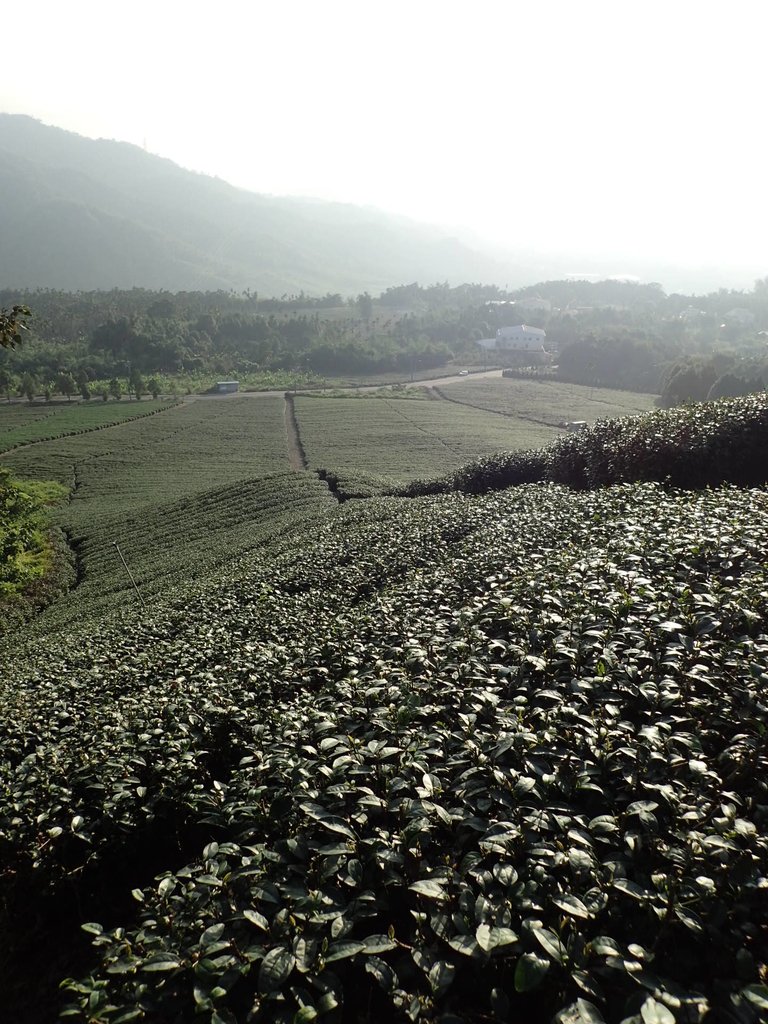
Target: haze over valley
[539, 142]
[383, 513]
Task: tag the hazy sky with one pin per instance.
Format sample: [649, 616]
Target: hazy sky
[617, 126]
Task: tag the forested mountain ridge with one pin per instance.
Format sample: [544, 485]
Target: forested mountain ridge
[79, 213]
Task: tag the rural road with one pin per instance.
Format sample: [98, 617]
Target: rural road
[425, 382]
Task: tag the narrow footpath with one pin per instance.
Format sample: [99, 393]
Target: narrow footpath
[296, 456]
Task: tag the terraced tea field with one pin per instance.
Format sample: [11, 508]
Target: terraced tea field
[166, 489]
[178, 490]
[487, 755]
[184, 450]
[546, 402]
[404, 439]
[24, 424]
[172, 548]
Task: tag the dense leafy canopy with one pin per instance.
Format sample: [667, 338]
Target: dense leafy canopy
[470, 757]
[698, 445]
[609, 333]
[12, 323]
[508, 761]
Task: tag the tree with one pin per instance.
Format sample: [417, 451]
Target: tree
[730, 385]
[6, 383]
[116, 389]
[153, 385]
[66, 385]
[28, 387]
[137, 384]
[85, 391]
[12, 323]
[365, 306]
[689, 381]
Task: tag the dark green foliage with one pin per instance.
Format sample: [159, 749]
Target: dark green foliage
[697, 446]
[730, 385]
[28, 386]
[690, 381]
[619, 361]
[355, 485]
[448, 759]
[16, 524]
[704, 445]
[7, 383]
[12, 323]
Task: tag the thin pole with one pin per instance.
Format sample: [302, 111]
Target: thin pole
[130, 574]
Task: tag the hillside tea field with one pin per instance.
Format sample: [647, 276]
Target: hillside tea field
[442, 759]
[25, 424]
[404, 439]
[546, 402]
[175, 547]
[183, 450]
[190, 487]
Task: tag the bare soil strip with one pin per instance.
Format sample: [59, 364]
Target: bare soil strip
[296, 456]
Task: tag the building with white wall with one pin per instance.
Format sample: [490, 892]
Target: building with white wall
[520, 338]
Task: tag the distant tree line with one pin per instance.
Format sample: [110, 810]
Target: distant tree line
[610, 333]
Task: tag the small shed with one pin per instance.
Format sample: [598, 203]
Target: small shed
[227, 387]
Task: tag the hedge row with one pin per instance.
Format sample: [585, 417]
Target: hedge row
[695, 446]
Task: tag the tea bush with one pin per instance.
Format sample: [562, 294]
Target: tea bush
[701, 445]
[452, 759]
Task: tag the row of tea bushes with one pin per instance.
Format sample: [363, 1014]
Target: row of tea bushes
[455, 759]
[694, 446]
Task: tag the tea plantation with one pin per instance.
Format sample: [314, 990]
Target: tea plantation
[494, 753]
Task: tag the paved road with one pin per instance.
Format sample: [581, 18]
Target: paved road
[424, 383]
[456, 379]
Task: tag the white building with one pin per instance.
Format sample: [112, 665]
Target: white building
[515, 339]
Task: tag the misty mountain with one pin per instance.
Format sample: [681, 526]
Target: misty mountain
[78, 213]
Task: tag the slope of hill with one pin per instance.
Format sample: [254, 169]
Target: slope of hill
[76, 213]
[458, 758]
[445, 759]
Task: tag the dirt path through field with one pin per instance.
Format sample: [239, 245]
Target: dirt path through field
[296, 456]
